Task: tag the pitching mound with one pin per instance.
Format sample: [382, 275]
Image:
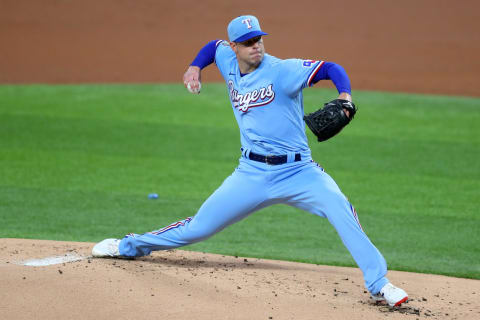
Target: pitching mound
[59, 280]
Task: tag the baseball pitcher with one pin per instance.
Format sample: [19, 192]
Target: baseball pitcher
[275, 164]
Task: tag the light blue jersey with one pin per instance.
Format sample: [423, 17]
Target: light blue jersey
[268, 103]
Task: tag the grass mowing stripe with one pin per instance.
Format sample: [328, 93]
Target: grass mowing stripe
[77, 163]
[159, 104]
[444, 159]
[75, 170]
[120, 137]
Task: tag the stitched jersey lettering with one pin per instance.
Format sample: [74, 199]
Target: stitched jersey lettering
[251, 99]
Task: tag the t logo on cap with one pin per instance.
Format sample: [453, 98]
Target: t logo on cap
[237, 31]
[247, 22]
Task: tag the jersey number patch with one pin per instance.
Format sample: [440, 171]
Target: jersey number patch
[308, 63]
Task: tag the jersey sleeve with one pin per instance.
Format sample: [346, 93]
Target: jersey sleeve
[223, 57]
[206, 55]
[297, 74]
[336, 73]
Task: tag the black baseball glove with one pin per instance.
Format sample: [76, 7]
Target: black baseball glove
[330, 120]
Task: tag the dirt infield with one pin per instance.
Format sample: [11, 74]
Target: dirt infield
[192, 285]
[428, 46]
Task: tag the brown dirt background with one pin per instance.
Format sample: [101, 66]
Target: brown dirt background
[427, 46]
[187, 285]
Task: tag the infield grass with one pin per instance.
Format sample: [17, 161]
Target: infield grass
[78, 162]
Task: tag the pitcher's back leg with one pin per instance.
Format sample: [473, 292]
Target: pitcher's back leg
[316, 192]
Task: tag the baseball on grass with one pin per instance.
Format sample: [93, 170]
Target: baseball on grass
[196, 90]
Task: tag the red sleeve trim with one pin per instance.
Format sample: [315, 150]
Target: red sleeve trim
[314, 72]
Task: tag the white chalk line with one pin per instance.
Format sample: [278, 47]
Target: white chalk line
[52, 260]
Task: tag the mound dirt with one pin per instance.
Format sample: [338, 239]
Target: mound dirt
[176, 284]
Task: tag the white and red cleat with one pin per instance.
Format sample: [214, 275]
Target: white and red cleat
[392, 295]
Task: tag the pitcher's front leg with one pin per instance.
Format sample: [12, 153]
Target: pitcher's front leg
[238, 196]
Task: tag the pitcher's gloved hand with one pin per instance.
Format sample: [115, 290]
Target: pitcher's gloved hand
[331, 119]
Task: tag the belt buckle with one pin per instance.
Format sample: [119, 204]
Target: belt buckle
[266, 160]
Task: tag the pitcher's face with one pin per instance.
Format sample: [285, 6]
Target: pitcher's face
[250, 52]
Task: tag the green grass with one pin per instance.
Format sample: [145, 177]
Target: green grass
[77, 163]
